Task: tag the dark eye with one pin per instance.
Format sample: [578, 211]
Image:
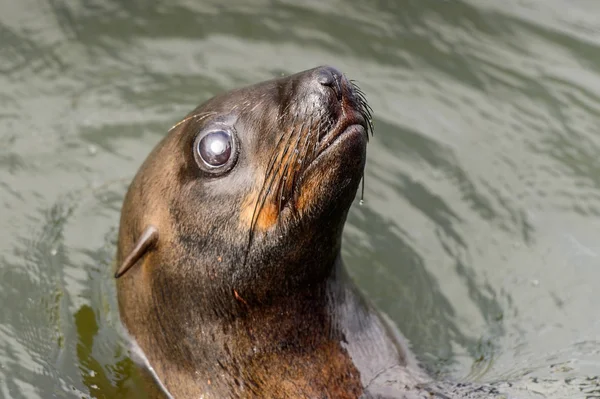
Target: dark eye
[215, 149]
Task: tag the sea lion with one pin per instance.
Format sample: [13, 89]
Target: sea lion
[230, 278]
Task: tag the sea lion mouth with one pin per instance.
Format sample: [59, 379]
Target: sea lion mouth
[346, 128]
[350, 110]
[347, 132]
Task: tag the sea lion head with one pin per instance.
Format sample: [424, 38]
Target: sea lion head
[244, 199]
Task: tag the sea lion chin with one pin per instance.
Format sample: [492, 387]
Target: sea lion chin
[230, 279]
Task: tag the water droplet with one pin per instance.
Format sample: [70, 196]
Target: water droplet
[53, 251]
[361, 202]
[535, 283]
[92, 149]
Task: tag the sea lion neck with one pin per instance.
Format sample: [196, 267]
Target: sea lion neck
[285, 321]
[299, 336]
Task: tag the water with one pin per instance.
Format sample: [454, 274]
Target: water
[479, 230]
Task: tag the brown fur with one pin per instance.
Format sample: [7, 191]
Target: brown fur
[244, 294]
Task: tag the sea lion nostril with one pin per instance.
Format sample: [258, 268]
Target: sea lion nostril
[325, 77]
[330, 77]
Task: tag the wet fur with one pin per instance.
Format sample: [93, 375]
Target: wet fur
[244, 293]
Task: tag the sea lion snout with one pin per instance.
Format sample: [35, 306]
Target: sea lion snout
[322, 89]
[326, 94]
[330, 77]
[325, 75]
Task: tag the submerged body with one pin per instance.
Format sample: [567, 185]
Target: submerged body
[231, 282]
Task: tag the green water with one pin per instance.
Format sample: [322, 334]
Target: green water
[480, 230]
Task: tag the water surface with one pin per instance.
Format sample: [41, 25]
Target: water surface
[479, 234]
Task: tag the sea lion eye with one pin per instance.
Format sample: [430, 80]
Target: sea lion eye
[215, 149]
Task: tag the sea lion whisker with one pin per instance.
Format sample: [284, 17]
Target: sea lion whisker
[299, 154]
[311, 149]
[270, 177]
[277, 151]
[358, 91]
[285, 110]
[362, 99]
[284, 179]
[300, 151]
[319, 131]
[281, 187]
[304, 150]
[366, 114]
[356, 86]
[327, 126]
[266, 187]
[364, 107]
[202, 116]
[306, 144]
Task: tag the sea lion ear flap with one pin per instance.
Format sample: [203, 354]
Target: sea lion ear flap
[146, 242]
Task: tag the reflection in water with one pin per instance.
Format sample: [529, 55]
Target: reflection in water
[118, 380]
[479, 231]
[49, 346]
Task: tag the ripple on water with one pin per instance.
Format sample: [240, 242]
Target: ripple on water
[478, 230]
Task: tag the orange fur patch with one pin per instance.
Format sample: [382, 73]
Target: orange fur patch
[307, 193]
[266, 218]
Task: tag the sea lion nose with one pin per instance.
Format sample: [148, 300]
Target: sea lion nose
[325, 76]
[329, 77]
